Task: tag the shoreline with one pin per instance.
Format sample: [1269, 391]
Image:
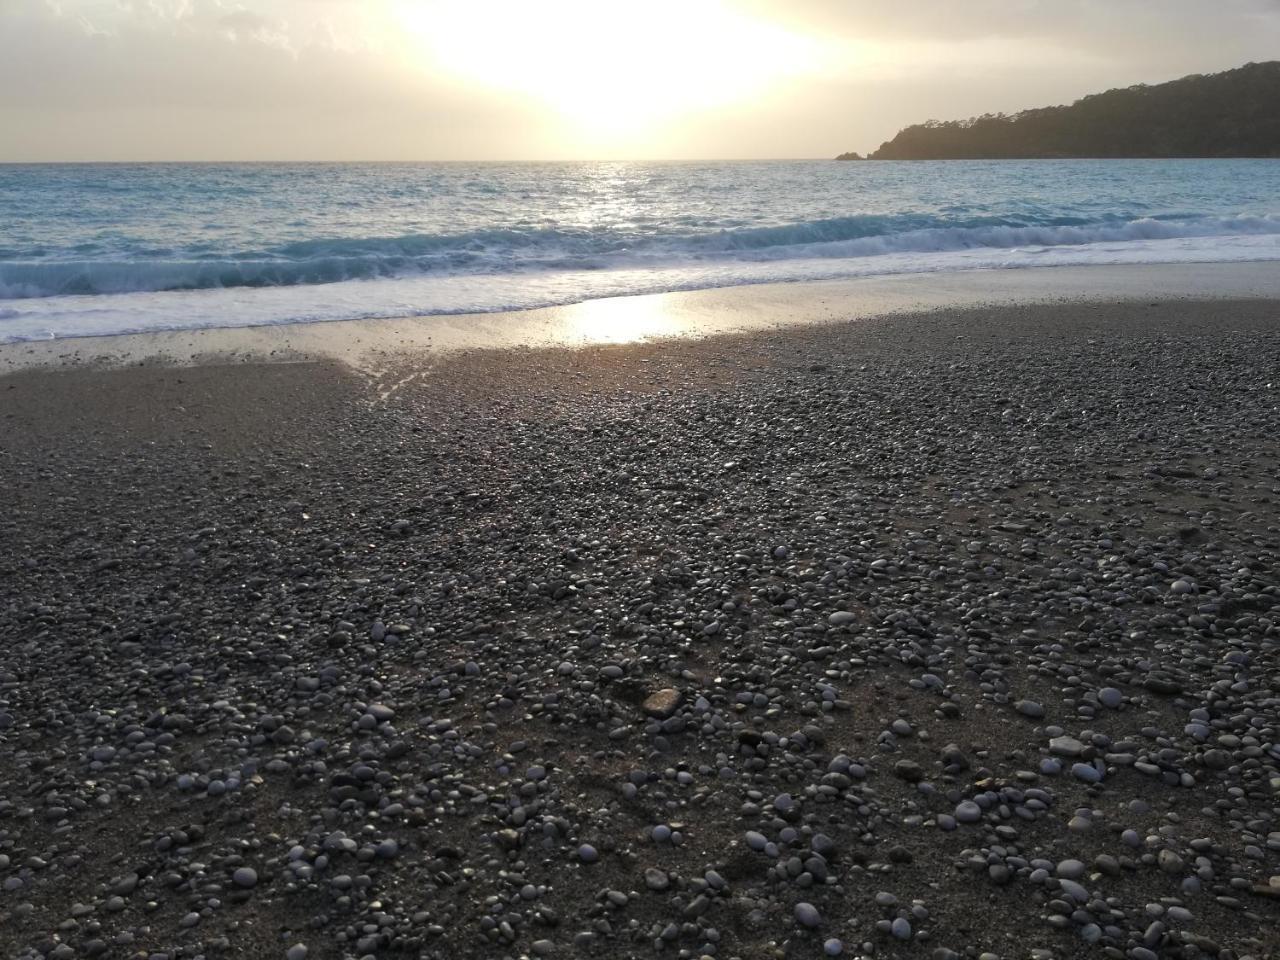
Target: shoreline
[366, 344]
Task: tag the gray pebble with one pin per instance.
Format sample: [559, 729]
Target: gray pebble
[245, 877]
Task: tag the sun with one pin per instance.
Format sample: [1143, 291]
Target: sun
[610, 71]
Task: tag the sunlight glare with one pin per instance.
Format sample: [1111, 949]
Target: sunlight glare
[618, 320]
[612, 71]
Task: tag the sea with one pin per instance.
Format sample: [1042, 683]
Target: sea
[96, 249]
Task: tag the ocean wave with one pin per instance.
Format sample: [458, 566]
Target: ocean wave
[1009, 236]
[442, 294]
[531, 251]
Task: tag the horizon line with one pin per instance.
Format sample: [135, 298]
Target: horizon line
[427, 160]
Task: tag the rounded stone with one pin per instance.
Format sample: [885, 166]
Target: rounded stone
[807, 915]
[1073, 890]
[1110, 697]
[1071, 869]
[1086, 772]
[968, 812]
[662, 703]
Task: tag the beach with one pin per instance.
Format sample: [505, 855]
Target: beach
[940, 622]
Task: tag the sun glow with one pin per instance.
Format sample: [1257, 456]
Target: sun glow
[614, 73]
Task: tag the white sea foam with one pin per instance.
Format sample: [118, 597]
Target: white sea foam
[498, 252]
[100, 250]
[71, 316]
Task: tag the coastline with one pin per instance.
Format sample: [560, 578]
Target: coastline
[949, 631]
[366, 344]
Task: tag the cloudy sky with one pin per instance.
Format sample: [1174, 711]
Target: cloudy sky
[569, 79]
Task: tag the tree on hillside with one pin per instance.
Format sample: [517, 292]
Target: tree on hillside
[1235, 113]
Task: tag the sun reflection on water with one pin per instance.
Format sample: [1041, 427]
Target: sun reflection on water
[620, 320]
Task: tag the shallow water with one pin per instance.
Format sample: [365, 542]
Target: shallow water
[100, 249]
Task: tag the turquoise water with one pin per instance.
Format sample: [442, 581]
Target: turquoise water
[108, 248]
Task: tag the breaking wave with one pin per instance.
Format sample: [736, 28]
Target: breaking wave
[525, 252]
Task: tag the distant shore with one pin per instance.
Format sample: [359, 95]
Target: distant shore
[1217, 116]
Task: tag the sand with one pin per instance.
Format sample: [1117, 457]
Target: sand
[367, 344]
[932, 634]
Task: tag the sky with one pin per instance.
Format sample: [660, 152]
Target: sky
[569, 79]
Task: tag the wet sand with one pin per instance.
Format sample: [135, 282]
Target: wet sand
[367, 344]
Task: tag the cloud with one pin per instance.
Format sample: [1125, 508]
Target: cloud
[1093, 23]
[170, 10]
[243, 25]
[190, 79]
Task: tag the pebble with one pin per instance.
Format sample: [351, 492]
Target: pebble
[656, 879]
[1066, 746]
[1086, 772]
[908, 770]
[1071, 869]
[1110, 697]
[807, 915]
[1073, 890]
[662, 703]
[628, 651]
[968, 812]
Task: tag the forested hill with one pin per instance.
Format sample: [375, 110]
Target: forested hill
[1235, 113]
